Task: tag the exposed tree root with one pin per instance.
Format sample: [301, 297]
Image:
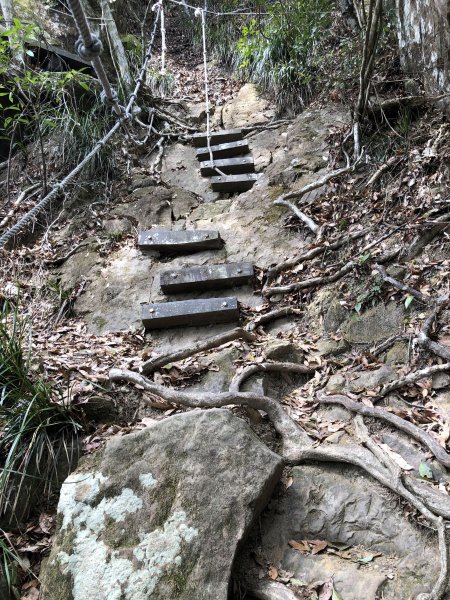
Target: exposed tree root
[422, 240]
[213, 342]
[424, 339]
[273, 315]
[301, 215]
[384, 167]
[397, 422]
[401, 286]
[291, 433]
[277, 367]
[413, 377]
[270, 590]
[310, 254]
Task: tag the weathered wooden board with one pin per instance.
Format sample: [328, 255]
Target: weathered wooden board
[171, 241]
[208, 277]
[233, 183]
[224, 150]
[230, 166]
[217, 137]
[190, 312]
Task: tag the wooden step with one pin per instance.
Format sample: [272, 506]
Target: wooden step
[209, 277]
[217, 137]
[190, 312]
[230, 166]
[233, 183]
[170, 241]
[224, 150]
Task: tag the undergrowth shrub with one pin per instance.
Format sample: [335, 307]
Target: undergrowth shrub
[38, 430]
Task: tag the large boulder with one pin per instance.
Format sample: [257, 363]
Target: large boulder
[248, 108]
[159, 513]
[375, 550]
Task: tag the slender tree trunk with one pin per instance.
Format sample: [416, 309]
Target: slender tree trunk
[117, 50]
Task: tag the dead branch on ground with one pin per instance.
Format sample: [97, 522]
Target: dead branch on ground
[401, 286]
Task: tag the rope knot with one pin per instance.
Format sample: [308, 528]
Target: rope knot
[109, 100]
[89, 52]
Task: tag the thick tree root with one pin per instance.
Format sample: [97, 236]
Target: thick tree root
[291, 433]
[213, 342]
[277, 367]
[273, 315]
[413, 377]
[378, 413]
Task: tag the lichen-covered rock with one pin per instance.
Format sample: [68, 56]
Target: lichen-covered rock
[346, 508]
[374, 324]
[161, 512]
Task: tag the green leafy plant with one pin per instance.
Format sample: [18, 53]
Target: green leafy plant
[39, 431]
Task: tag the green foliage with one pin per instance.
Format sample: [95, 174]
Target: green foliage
[62, 107]
[282, 53]
[38, 429]
[160, 84]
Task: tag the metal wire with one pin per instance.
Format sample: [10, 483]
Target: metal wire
[89, 47]
[28, 218]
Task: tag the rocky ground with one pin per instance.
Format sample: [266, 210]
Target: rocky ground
[178, 502]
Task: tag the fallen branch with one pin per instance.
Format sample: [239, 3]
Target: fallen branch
[301, 215]
[279, 313]
[397, 422]
[202, 346]
[292, 434]
[401, 286]
[29, 192]
[277, 367]
[384, 167]
[424, 340]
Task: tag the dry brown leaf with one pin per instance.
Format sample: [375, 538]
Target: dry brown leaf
[272, 572]
[301, 546]
[318, 545]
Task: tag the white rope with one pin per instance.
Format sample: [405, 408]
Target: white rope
[235, 13]
[202, 13]
[163, 41]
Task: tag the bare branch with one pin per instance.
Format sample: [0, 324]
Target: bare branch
[413, 377]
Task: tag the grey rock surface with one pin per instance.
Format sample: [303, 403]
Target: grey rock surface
[160, 512]
[374, 324]
[341, 504]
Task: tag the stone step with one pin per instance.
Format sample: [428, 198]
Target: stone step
[224, 150]
[209, 277]
[230, 166]
[233, 183]
[217, 137]
[172, 241]
[190, 312]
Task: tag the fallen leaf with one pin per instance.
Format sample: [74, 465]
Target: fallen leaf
[273, 573]
[318, 545]
[301, 546]
[399, 460]
[425, 471]
[47, 523]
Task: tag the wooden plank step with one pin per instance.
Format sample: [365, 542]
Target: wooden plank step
[171, 241]
[190, 312]
[217, 137]
[209, 277]
[230, 166]
[233, 183]
[224, 150]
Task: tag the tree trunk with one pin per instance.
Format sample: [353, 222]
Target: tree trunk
[117, 50]
[423, 34]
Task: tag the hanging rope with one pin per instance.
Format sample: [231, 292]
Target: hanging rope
[89, 47]
[202, 13]
[163, 40]
[42, 204]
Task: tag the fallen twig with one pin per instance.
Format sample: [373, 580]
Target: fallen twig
[213, 342]
[413, 377]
